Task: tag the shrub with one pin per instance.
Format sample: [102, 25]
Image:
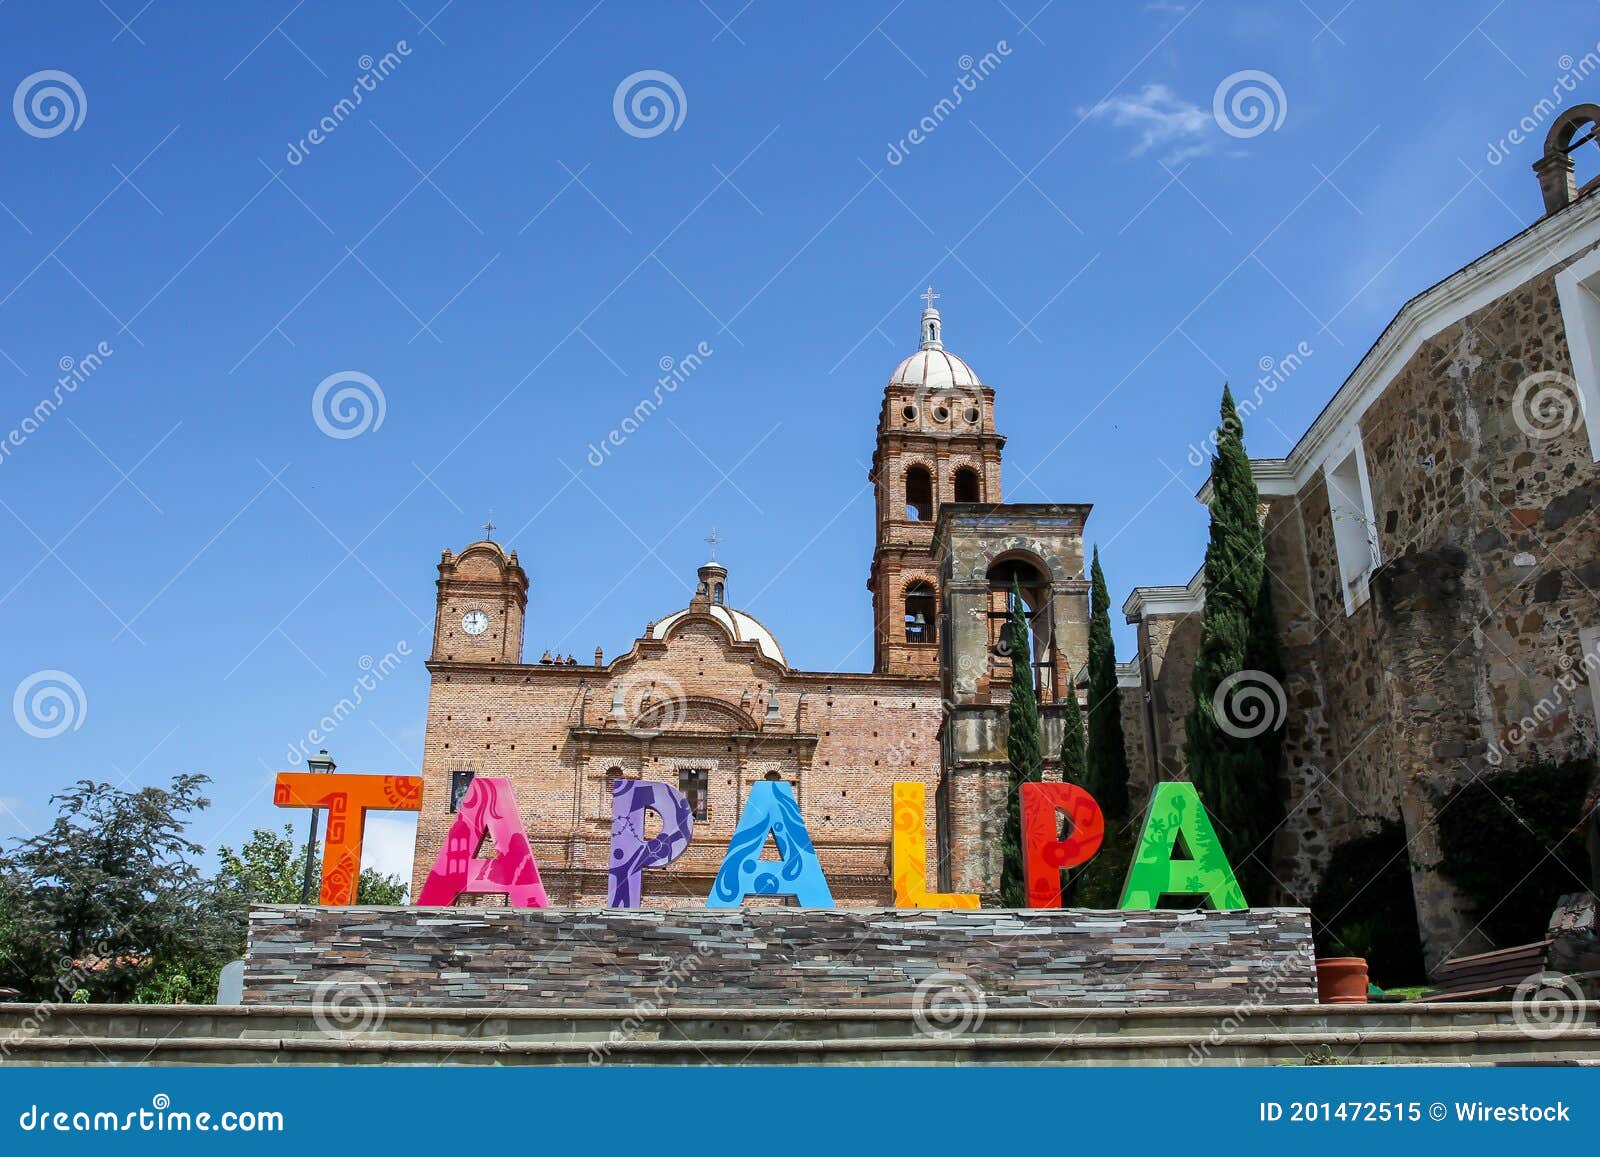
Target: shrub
[1514, 843]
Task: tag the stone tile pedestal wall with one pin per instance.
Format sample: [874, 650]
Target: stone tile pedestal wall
[770, 957]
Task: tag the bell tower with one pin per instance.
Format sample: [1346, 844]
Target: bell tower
[483, 593]
[936, 444]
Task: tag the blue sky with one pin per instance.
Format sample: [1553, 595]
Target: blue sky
[508, 265]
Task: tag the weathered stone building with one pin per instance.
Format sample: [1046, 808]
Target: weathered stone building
[706, 701]
[1432, 540]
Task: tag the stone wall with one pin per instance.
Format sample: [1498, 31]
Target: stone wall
[1461, 655]
[600, 958]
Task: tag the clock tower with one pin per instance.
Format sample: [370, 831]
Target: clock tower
[483, 592]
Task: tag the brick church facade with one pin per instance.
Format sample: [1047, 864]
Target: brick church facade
[706, 701]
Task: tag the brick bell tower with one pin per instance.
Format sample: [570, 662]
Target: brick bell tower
[483, 593]
[936, 444]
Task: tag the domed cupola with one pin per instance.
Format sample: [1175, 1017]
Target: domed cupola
[710, 598]
[932, 366]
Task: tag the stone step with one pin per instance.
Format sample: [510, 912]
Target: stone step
[1389, 1046]
[700, 1024]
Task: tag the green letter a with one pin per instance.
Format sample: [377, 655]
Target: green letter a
[1177, 816]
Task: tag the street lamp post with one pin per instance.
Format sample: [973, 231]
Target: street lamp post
[323, 763]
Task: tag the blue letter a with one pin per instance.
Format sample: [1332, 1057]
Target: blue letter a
[770, 810]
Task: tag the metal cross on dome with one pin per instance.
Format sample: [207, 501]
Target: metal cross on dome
[489, 527]
[713, 538]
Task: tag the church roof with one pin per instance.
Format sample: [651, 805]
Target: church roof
[744, 628]
[935, 369]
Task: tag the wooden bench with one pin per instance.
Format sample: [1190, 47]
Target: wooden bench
[1491, 975]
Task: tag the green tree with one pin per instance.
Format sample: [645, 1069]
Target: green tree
[108, 899]
[1022, 750]
[1237, 773]
[1074, 768]
[1073, 754]
[1108, 758]
[269, 868]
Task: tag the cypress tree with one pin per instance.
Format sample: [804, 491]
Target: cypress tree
[1073, 770]
[1236, 773]
[1022, 750]
[1073, 766]
[1108, 758]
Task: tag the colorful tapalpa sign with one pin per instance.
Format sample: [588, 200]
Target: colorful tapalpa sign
[1178, 853]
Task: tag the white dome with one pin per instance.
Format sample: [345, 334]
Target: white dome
[745, 628]
[935, 369]
[932, 366]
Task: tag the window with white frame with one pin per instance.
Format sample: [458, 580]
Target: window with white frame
[1355, 531]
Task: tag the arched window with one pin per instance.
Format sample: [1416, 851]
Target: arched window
[921, 613]
[716, 593]
[968, 489]
[919, 494]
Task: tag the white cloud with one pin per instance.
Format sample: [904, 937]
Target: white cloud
[389, 843]
[1162, 120]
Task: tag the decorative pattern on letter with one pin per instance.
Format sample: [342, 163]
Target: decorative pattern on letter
[910, 859]
[1046, 855]
[348, 799]
[770, 810]
[489, 807]
[1175, 810]
[631, 853]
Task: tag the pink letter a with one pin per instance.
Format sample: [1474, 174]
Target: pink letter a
[490, 807]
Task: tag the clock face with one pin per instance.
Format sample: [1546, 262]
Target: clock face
[474, 622]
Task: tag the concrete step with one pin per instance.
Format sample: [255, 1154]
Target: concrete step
[149, 1022]
[1266, 1034]
[1413, 1046]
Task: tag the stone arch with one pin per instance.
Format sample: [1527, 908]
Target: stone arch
[920, 598]
[1556, 170]
[1037, 585]
[918, 493]
[968, 483]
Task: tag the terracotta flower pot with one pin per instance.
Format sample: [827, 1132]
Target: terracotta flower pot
[1342, 980]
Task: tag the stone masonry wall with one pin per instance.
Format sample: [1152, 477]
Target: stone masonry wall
[1488, 529]
[527, 958]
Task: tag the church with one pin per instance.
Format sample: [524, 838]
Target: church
[706, 701]
[1433, 545]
